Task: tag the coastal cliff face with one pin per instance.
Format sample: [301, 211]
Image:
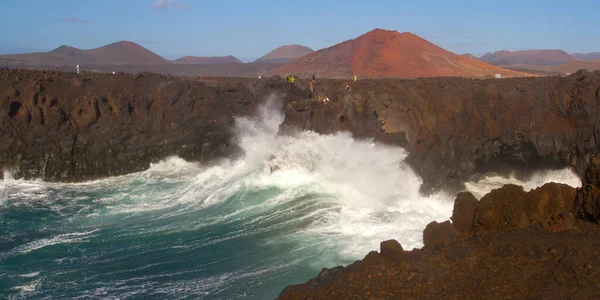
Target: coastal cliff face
[456, 127]
[63, 127]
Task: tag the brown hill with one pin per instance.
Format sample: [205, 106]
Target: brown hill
[119, 53]
[208, 60]
[527, 57]
[384, 53]
[125, 52]
[285, 54]
[68, 52]
[587, 56]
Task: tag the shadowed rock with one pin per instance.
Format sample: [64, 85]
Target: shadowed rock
[453, 128]
[587, 203]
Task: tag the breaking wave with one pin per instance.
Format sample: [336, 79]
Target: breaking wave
[236, 229]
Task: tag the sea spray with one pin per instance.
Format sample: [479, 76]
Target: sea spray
[234, 229]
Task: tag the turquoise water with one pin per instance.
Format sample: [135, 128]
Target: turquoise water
[140, 237]
[231, 230]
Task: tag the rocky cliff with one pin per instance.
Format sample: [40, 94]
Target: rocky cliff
[511, 244]
[64, 127]
[60, 126]
[456, 127]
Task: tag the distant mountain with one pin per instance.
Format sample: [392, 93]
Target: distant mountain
[125, 52]
[527, 57]
[586, 56]
[285, 54]
[469, 55]
[118, 53]
[208, 60]
[384, 53]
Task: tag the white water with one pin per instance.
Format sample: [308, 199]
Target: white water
[481, 187]
[370, 194]
[340, 196]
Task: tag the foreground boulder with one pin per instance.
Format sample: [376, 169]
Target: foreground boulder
[511, 244]
[510, 207]
[516, 264]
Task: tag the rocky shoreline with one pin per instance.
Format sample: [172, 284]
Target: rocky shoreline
[64, 127]
[538, 244]
[454, 128]
[68, 127]
[511, 244]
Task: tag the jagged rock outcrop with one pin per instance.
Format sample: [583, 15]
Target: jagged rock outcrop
[511, 244]
[587, 202]
[510, 207]
[456, 127]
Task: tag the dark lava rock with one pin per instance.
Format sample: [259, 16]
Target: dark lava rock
[510, 207]
[63, 127]
[587, 203]
[438, 235]
[463, 213]
[390, 248]
[456, 127]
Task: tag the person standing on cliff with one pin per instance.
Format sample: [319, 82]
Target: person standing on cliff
[311, 88]
[77, 69]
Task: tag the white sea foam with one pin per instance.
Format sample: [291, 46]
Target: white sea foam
[335, 198]
[481, 187]
[27, 288]
[362, 191]
[66, 238]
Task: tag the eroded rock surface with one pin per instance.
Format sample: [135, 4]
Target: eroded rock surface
[64, 127]
[456, 127]
[60, 126]
[510, 245]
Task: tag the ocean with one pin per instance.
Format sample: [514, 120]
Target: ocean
[231, 229]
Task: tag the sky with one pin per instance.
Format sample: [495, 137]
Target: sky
[249, 29]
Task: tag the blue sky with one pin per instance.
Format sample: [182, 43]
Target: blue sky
[249, 29]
